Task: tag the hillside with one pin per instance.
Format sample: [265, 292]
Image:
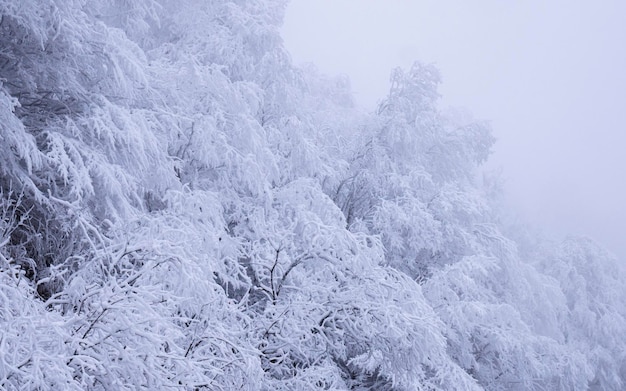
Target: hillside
[183, 208]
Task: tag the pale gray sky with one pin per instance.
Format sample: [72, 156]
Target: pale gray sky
[549, 74]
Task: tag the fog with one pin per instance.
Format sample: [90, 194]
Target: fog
[549, 75]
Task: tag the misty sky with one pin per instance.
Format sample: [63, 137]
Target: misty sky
[550, 75]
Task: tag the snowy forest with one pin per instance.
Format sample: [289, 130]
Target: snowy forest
[182, 208]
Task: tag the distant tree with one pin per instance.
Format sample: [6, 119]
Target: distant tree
[489, 337]
[592, 283]
[412, 177]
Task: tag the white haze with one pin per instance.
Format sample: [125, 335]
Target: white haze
[548, 74]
